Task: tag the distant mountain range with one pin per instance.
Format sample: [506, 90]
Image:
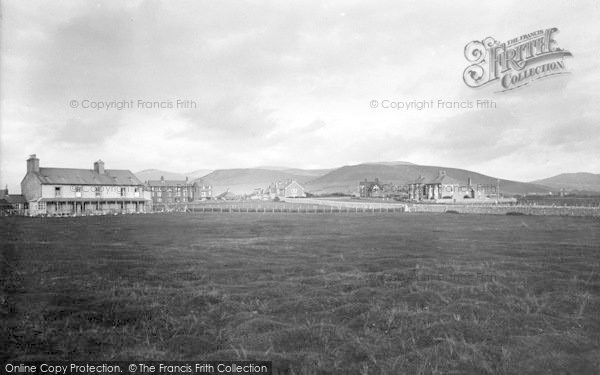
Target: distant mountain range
[156, 174]
[242, 181]
[581, 182]
[345, 179]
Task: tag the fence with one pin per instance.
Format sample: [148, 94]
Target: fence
[307, 205]
[341, 204]
[303, 209]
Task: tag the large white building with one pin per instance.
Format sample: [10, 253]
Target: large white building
[60, 191]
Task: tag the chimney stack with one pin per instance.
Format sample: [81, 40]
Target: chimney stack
[99, 167]
[162, 178]
[469, 181]
[33, 164]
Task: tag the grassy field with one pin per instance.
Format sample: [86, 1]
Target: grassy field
[341, 293]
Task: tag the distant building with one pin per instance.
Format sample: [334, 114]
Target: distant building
[81, 191]
[12, 203]
[294, 190]
[169, 191]
[286, 189]
[201, 190]
[444, 187]
[178, 191]
[378, 189]
[370, 189]
[416, 189]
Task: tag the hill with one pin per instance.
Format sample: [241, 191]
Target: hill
[241, 181]
[198, 173]
[346, 179]
[156, 174]
[390, 163]
[581, 181]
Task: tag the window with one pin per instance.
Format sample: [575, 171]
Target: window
[123, 192]
[98, 191]
[57, 191]
[78, 191]
[136, 192]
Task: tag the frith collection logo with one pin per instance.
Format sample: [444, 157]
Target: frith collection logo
[514, 63]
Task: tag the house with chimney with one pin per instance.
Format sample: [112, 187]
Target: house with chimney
[286, 189]
[167, 192]
[170, 191]
[371, 189]
[70, 191]
[201, 190]
[444, 188]
[11, 204]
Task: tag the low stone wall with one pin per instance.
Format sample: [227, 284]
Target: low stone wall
[503, 210]
[488, 209]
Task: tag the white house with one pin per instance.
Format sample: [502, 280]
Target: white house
[57, 191]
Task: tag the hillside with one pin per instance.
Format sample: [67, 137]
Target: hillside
[580, 181]
[156, 174]
[346, 179]
[389, 163]
[241, 181]
[198, 173]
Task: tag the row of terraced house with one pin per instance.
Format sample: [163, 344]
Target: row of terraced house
[70, 191]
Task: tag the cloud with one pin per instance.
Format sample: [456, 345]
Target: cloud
[84, 131]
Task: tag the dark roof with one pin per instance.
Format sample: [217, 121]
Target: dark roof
[444, 179]
[419, 180]
[15, 198]
[370, 184]
[71, 176]
[120, 199]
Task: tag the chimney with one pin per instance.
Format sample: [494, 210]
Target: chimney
[186, 178]
[162, 179]
[33, 164]
[469, 181]
[99, 167]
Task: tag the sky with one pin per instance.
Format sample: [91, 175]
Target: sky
[187, 85]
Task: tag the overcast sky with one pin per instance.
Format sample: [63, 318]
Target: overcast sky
[282, 83]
